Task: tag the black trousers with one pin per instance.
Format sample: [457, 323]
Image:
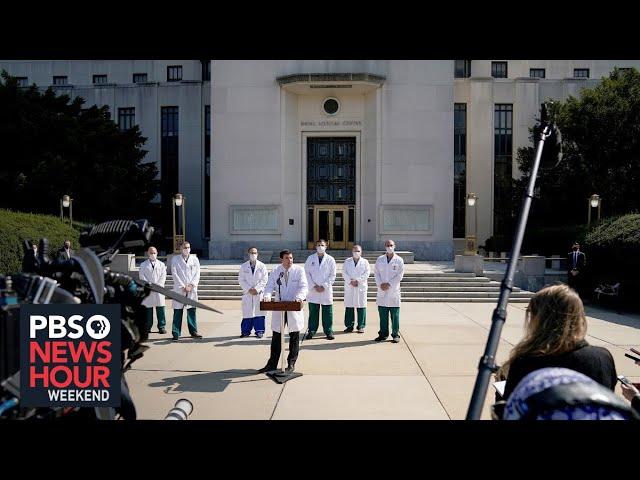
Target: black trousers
[575, 282]
[294, 348]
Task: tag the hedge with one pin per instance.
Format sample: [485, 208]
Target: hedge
[15, 227]
[613, 252]
[616, 232]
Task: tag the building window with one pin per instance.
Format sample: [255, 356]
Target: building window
[537, 73]
[169, 156]
[459, 168]
[462, 69]
[126, 118]
[499, 69]
[139, 77]
[581, 73]
[99, 79]
[207, 171]
[206, 70]
[174, 73]
[502, 171]
[22, 81]
[61, 80]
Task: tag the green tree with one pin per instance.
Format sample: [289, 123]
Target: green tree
[52, 146]
[600, 154]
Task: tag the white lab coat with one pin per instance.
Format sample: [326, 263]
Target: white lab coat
[185, 273]
[248, 280]
[392, 273]
[321, 274]
[157, 275]
[356, 297]
[296, 288]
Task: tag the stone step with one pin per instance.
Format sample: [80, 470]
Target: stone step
[371, 281]
[429, 299]
[407, 276]
[237, 294]
[340, 290]
[372, 284]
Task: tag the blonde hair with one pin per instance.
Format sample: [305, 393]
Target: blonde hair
[555, 323]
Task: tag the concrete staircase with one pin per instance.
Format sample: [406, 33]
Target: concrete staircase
[416, 287]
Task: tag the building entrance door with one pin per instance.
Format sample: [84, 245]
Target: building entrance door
[331, 191]
[331, 222]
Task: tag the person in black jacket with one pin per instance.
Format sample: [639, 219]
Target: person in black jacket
[66, 252]
[556, 327]
[632, 394]
[576, 264]
[30, 261]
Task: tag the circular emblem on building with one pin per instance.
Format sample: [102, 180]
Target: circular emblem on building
[330, 105]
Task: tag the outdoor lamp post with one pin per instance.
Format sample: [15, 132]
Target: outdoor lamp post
[593, 202]
[471, 239]
[66, 202]
[179, 221]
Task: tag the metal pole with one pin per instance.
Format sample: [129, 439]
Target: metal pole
[487, 363]
[475, 228]
[589, 211]
[282, 323]
[71, 212]
[173, 216]
[61, 211]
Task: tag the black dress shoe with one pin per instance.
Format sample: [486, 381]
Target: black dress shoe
[330, 337]
[196, 335]
[175, 339]
[348, 330]
[162, 330]
[309, 336]
[266, 368]
[380, 339]
[242, 335]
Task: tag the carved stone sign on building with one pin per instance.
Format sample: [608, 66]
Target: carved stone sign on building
[331, 123]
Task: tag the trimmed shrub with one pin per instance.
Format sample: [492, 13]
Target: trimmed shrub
[15, 227]
[613, 253]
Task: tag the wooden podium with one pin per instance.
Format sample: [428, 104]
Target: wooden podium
[281, 375]
[280, 306]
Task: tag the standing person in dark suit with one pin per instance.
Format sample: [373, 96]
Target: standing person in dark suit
[30, 261]
[65, 253]
[576, 263]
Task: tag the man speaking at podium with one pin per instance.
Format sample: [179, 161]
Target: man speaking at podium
[290, 284]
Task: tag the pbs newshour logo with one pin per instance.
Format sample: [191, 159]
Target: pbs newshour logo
[70, 356]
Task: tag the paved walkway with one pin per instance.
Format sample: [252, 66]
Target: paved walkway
[428, 375]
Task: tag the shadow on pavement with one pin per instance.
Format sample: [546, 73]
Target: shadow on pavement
[209, 382]
[613, 316]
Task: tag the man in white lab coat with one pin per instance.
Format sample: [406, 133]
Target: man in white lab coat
[185, 269]
[153, 270]
[389, 271]
[355, 271]
[289, 283]
[321, 273]
[252, 277]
